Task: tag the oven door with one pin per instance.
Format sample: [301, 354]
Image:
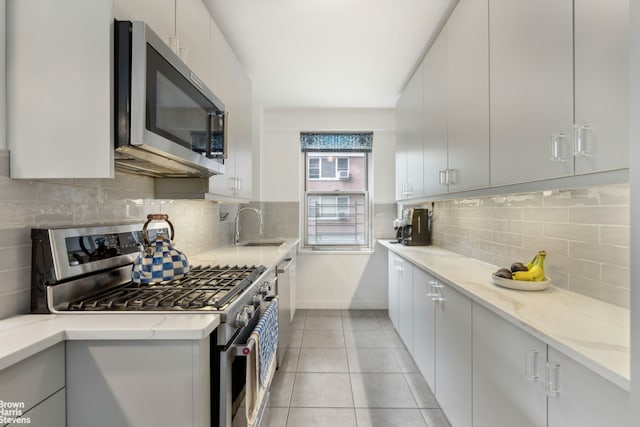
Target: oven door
[230, 372]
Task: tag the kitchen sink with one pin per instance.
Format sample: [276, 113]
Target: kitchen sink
[263, 243]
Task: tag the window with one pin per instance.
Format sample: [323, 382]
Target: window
[336, 191]
[325, 166]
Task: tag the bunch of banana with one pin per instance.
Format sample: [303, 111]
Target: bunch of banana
[535, 269]
[532, 271]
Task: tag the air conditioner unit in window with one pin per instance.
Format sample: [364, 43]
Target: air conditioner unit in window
[343, 175]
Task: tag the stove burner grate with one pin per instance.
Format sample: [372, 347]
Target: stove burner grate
[205, 288]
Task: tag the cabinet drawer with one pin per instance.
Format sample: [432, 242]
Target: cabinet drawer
[50, 413]
[35, 378]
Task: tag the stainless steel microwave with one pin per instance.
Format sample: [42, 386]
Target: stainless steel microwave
[168, 123]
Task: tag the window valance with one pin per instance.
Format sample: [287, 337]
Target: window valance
[337, 142]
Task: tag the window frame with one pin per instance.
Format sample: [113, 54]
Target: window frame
[366, 246]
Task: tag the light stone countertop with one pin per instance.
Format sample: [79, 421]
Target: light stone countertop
[25, 335]
[594, 333]
[269, 256]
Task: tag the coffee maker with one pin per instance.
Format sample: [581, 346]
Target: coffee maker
[415, 227]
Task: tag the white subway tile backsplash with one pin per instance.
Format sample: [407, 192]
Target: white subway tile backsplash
[575, 232]
[13, 303]
[617, 276]
[609, 215]
[557, 214]
[552, 246]
[584, 231]
[612, 255]
[14, 280]
[509, 239]
[573, 266]
[616, 236]
[15, 257]
[599, 290]
[525, 227]
[17, 190]
[577, 197]
[63, 202]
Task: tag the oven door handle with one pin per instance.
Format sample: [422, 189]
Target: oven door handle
[243, 349]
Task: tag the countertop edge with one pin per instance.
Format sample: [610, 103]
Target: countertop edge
[561, 343]
[27, 334]
[30, 335]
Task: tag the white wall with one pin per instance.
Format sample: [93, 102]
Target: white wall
[280, 149]
[331, 280]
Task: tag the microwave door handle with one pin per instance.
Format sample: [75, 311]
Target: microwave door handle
[209, 135]
[225, 118]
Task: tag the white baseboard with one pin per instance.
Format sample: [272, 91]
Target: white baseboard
[342, 305]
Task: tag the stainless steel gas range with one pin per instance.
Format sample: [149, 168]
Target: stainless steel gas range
[88, 270]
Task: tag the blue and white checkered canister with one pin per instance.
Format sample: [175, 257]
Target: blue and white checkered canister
[159, 263]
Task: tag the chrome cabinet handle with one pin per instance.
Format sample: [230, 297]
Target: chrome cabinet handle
[443, 177]
[436, 291]
[450, 175]
[552, 379]
[583, 139]
[531, 359]
[559, 147]
[432, 293]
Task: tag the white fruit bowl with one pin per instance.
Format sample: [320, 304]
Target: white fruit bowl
[521, 285]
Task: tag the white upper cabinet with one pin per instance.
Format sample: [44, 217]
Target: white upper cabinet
[402, 144]
[183, 25]
[409, 165]
[60, 88]
[531, 87]
[452, 113]
[159, 15]
[192, 31]
[434, 116]
[601, 85]
[467, 33]
[230, 83]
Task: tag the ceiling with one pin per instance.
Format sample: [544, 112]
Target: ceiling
[328, 53]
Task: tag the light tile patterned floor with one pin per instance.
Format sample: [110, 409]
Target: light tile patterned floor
[349, 368]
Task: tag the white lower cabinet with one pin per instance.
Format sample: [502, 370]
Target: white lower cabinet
[453, 355]
[35, 387]
[401, 297]
[582, 398]
[486, 371]
[49, 413]
[405, 304]
[138, 383]
[393, 288]
[508, 369]
[424, 326]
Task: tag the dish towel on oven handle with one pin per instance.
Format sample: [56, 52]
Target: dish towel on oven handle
[261, 362]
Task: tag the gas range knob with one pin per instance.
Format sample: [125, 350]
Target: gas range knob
[250, 310]
[256, 299]
[241, 319]
[265, 288]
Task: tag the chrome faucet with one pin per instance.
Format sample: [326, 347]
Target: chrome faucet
[236, 234]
